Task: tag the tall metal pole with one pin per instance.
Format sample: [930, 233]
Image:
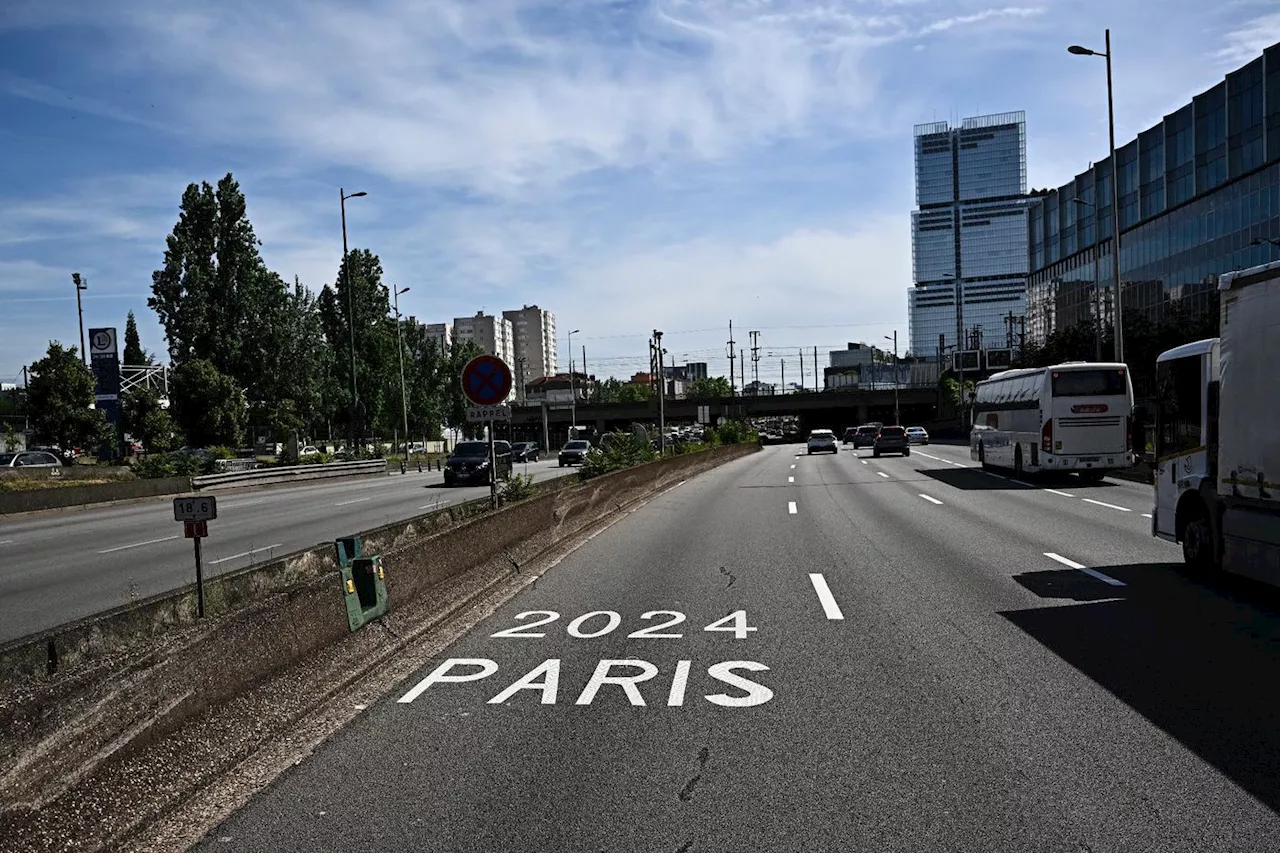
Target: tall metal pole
[733, 389]
[1118, 308]
[404, 399]
[662, 396]
[897, 418]
[784, 374]
[586, 387]
[81, 285]
[815, 369]
[351, 323]
[802, 369]
[960, 347]
[573, 393]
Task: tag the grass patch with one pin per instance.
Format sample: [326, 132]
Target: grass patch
[29, 484]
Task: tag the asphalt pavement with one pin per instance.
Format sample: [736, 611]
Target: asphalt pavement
[827, 653]
[59, 566]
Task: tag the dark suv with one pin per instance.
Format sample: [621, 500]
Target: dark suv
[469, 463]
[524, 451]
[892, 439]
[865, 436]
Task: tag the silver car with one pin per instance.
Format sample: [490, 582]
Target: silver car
[917, 435]
[823, 440]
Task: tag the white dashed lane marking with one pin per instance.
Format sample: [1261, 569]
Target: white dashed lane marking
[791, 507]
[137, 544]
[932, 500]
[1056, 492]
[883, 474]
[1107, 505]
[828, 600]
[1094, 573]
[791, 479]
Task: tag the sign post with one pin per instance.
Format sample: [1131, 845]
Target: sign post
[104, 360]
[195, 512]
[486, 382]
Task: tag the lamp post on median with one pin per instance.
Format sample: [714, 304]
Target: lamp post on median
[573, 393]
[351, 322]
[963, 407]
[404, 399]
[80, 285]
[897, 419]
[1097, 285]
[1118, 318]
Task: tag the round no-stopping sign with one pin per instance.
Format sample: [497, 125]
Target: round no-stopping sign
[486, 380]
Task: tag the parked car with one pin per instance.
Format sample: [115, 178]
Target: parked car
[822, 441]
[574, 452]
[917, 435]
[865, 436]
[469, 463]
[524, 451]
[892, 439]
[30, 459]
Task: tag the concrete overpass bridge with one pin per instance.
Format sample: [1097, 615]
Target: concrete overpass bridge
[833, 410]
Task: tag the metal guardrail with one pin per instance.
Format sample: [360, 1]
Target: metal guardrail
[289, 474]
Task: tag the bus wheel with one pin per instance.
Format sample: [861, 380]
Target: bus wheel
[1017, 462]
[1197, 539]
[1091, 476]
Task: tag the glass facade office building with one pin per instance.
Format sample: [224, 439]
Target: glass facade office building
[970, 227]
[1195, 191]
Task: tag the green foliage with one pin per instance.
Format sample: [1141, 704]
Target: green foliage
[711, 388]
[951, 389]
[734, 432]
[134, 354]
[207, 405]
[611, 390]
[146, 420]
[155, 466]
[518, 488]
[60, 397]
[617, 450]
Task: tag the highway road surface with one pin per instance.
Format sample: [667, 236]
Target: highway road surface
[60, 566]
[827, 653]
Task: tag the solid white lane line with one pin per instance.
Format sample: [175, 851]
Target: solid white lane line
[1094, 573]
[246, 553]
[829, 606]
[791, 479]
[883, 474]
[1056, 492]
[1107, 505]
[932, 500]
[355, 501]
[791, 507]
[138, 544]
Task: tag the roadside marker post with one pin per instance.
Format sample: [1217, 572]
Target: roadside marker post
[195, 512]
[486, 382]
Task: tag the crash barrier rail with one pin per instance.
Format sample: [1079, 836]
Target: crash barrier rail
[288, 474]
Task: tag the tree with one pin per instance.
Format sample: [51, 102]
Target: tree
[216, 299]
[134, 354]
[377, 369]
[450, 384]
[146, 420]
[207, 405]
[711, 388]
[613, 390]
[60, 397]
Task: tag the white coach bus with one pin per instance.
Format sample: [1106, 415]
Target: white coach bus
[1075, 416]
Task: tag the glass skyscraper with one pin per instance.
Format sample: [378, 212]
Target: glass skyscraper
[969, 232]
[1196, 191]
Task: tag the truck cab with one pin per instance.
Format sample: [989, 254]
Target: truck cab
[1186, 379]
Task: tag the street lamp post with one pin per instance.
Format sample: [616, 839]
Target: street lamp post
[80, 285]
[573, 393]
[351, 322]
[959, 346]
[404, 399]
[1097, 285]
[897, 419]
[1118, 318]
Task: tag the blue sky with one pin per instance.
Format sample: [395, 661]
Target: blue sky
[628, 165]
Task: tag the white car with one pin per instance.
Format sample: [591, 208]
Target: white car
[822, 440]
[917, 435]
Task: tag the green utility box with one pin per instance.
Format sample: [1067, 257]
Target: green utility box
[364, 587]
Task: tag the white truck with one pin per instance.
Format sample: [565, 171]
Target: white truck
[1217, 477]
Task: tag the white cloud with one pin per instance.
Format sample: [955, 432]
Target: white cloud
[1247, 41]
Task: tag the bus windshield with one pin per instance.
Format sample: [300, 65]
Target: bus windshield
[1090, 383]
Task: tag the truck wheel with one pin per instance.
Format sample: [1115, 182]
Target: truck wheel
[1197, 540]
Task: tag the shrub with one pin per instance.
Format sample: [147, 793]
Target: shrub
[617, 450]
[518, 488]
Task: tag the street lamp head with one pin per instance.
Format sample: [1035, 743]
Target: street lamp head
[1081, 51]
[575, 331]
[405, 290]
[358, 195]
[1082, 201]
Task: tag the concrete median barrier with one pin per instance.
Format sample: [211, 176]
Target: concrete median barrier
[90, 493]
[93, 694]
